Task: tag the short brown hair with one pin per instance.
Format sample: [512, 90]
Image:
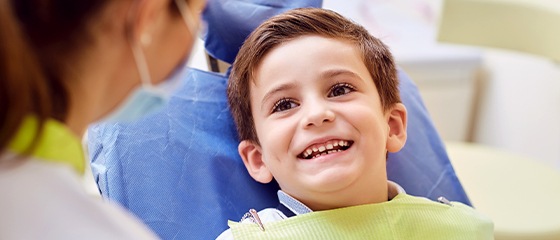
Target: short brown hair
[289, 26]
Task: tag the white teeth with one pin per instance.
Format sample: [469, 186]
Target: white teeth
[327, 148]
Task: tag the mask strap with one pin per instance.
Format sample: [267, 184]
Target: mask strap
[137, 53]
[141, 65]
[139, 56]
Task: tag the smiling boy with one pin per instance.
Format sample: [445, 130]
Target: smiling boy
[316, 103]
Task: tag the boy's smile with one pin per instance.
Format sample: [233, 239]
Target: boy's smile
[322, 132]
[321, 149]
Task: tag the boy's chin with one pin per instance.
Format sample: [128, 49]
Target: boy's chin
[331, 180]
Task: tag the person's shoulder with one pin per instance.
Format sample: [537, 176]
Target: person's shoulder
[441, 203]
[71, 212]
[444, 216]
[442, 206]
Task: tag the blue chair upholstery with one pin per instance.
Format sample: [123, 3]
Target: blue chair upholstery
[178, 169]
[422, 167]
[229, 22]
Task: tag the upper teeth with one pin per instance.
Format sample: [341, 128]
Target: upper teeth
[324, 148]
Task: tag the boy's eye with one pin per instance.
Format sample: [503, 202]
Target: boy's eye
[341, 89]
[283, 105]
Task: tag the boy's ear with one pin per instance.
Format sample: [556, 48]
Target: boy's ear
[396, 119]
[140, 18]
[251, 154]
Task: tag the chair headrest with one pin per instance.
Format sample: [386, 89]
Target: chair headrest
[229, 22]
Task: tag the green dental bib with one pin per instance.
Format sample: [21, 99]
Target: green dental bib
[404, 217]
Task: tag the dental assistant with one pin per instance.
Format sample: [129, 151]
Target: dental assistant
[63, 65]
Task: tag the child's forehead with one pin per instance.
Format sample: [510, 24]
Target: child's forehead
[297, 48]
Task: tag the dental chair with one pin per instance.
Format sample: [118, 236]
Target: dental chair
[178, 170]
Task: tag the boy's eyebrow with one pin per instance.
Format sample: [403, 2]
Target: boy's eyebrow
[336, 72]
[276, 89]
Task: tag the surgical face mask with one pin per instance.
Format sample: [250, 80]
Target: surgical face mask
[148, 98]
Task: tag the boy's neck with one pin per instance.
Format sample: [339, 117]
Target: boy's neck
[291, 206]
[373, 193]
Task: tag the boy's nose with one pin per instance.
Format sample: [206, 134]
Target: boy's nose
[317, 113]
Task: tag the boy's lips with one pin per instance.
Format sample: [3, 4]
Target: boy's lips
[319, 149]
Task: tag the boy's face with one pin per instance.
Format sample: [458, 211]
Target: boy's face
[319, 121]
